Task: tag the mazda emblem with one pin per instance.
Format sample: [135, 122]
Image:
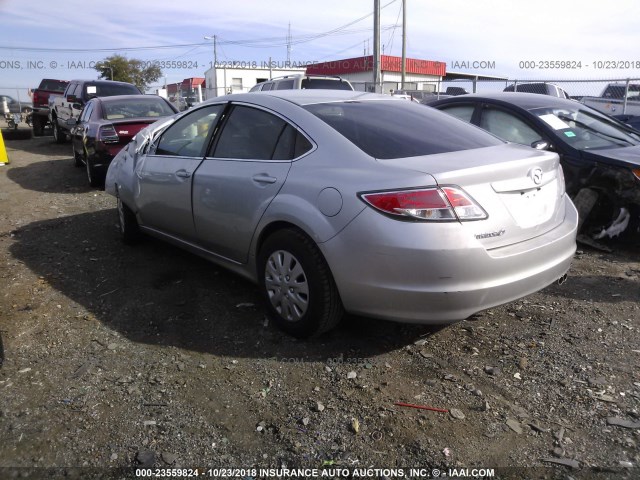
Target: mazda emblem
[536, 175]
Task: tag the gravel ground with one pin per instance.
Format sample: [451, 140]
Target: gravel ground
[114, 357]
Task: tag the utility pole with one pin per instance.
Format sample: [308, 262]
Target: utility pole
[289, 46]
[376, 45]
[215, 50]
[404, 43]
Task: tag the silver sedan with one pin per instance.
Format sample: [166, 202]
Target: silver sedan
[339, 202]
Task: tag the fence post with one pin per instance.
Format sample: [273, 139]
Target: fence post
[515, 85]
[626, 96]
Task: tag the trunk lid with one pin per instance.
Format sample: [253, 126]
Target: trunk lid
[127, 129]
[521, 189]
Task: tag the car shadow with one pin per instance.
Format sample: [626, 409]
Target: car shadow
[157, 294]
[51, 176]
[597, 288]
[44, 145]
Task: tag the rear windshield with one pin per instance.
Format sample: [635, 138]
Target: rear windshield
[326, 83]
[53, 85]
[138, 108]
[396, 129]
[109, 90]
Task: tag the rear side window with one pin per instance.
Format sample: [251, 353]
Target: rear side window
[395, 129]
[254, 134]
[463, 112]
[284, 85]
[325, 83]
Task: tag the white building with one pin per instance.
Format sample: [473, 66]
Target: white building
[222, 79]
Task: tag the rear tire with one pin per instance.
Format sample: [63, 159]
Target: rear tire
[95, 180]
[299, 292]
[38, 126]
[129, 229]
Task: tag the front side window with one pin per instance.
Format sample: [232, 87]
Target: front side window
[188, 136]
[508, 127]
[388, 129]
[253, 134]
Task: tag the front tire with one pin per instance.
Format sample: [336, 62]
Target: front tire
[77, 158]
[129, 229]
[58, 135]
[300, 294]
[584, 202]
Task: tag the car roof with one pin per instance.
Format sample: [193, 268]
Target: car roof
[526, 101]
[101, 82]
[115, 98]
[308, 97]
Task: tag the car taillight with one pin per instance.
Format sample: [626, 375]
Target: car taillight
[108, 134]
[430, 204]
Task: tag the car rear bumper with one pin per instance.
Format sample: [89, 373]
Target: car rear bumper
[436, 274]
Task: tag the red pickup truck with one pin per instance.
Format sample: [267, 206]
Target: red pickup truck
[40, 99]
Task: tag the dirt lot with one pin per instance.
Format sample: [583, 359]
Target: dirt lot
[116, 356]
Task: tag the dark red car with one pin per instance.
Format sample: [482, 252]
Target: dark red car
[107, 124]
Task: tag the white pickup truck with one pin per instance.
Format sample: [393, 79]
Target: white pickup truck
[616, 99]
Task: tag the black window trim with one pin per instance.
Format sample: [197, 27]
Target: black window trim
[207, 144]
[223, 121]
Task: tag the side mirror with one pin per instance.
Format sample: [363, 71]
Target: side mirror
[540, 145]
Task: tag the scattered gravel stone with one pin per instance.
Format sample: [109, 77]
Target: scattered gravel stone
[457, 414]
[319, 407]
[514, 425]
[352, 375]
[621, 422]
[146, 458]
[567, 462]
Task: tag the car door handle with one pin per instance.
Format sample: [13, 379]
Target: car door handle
[183, 174]
[264, 178]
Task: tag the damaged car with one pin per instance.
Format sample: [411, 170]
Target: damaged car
[336, 201]
[599, 154]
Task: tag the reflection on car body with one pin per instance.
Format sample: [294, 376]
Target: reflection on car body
[106, 124]
[339, 201]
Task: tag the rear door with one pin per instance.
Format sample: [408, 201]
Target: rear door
[241, 175]
[164, 176]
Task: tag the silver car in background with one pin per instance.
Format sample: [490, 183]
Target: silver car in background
[338, 202]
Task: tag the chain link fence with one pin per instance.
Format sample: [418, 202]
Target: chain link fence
[613, 96]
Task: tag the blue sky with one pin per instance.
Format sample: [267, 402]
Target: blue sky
[499, 31]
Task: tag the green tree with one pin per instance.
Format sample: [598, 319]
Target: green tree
[123, 69]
